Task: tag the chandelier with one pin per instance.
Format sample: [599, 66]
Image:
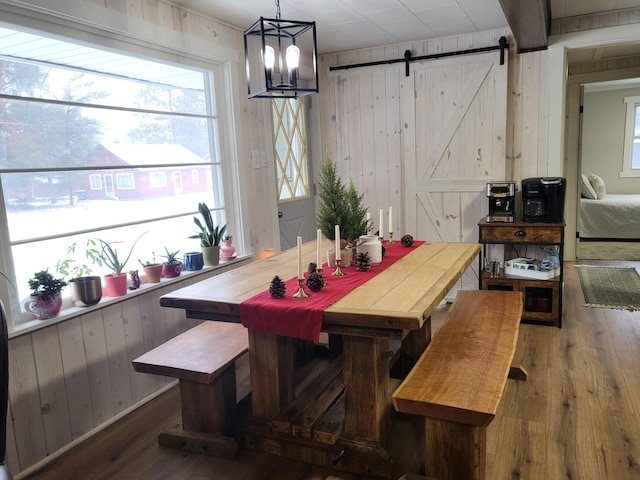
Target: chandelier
[280, 58]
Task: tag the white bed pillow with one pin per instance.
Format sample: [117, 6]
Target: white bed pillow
[586, 190]
[598, 185]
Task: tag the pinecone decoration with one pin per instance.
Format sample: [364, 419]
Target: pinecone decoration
[363, 263]
[277, 288]
[406, 240]
[315, 282]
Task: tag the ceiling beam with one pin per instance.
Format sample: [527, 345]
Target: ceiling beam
[530, 22]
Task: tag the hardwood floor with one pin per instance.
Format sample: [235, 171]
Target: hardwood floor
[576, 417]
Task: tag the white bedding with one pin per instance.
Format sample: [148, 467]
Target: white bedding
[615, 216]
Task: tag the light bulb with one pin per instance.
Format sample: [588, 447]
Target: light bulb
[293, 57]
[269, 57]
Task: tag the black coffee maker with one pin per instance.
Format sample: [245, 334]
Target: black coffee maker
[543, 199]
[501, 201]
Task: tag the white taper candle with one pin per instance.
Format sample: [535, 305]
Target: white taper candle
[300, 275]
[390, 219]
[381, 233]
[318, 245]
[338, 242]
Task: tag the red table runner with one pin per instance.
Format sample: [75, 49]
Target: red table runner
[302, 317]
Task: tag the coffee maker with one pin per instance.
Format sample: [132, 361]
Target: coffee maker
[543, 199]
[501, 201]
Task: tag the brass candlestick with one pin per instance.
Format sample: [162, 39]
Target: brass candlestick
[300, 293]
[390, 242]
[319, 272]
[337, 272]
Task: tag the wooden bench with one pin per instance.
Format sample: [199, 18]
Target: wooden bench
[203, 359]
[458, 381]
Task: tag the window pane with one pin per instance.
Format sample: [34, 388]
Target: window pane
[635, 158]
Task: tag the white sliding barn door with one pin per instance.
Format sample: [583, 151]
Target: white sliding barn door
[459, 114]
[458, 109]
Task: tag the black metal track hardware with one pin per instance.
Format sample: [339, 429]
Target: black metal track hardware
[407, 59]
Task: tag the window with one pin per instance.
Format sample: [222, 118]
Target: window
[157, 179]
[87, 139]
[290, 148]
[631, 163]
[124, 181]
[95, 182]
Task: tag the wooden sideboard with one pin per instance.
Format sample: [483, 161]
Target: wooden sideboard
[542, 298]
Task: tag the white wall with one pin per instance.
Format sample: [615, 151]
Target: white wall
[603, 129]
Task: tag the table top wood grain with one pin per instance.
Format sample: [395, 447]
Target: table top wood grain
[400, 297]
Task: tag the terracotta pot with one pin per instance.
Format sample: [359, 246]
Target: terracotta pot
[45, 308]
[153, 272]
[115, 285]
[170, 270]
[211, 255]
[85, 291]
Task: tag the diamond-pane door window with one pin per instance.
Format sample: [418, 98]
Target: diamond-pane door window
[290, 148]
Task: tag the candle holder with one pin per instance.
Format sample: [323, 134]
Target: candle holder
[300, 293]
[337, 272]
[390, 242]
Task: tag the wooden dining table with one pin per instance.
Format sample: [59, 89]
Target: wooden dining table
[340, 418]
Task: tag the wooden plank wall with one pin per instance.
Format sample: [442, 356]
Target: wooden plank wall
[70, 378]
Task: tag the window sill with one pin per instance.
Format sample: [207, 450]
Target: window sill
[70, 311]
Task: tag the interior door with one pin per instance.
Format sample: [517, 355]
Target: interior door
[460, 130]
[296, 209]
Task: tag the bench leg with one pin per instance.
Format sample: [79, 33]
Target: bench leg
[209, 417]
[454, 450]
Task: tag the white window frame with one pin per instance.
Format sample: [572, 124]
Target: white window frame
[632, 104]
[133, 37]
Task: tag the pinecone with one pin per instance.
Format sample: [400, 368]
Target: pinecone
[315, 281]
[406, 240]
[312, 267]
[363, 263]
[277, 288]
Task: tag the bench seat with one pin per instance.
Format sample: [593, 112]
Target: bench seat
[203, 360]
[459, 380]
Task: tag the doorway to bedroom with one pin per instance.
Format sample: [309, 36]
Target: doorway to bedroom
[609, 205]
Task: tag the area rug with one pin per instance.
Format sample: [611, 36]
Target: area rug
[610, 287]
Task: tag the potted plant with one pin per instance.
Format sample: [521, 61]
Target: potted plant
[209, 235]
[335, 208]
[46, 299]
[152, 269]
[115, 283]
[172, 266]
[85, 289]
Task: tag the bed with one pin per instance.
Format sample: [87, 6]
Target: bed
[616, 216]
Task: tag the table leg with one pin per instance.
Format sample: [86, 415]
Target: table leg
[272, 373]
[366, 379]
[413, 345]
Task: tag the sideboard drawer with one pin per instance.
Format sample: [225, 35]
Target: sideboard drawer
[520, 234]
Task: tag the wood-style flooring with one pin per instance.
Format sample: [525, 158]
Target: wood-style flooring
[577, 416]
